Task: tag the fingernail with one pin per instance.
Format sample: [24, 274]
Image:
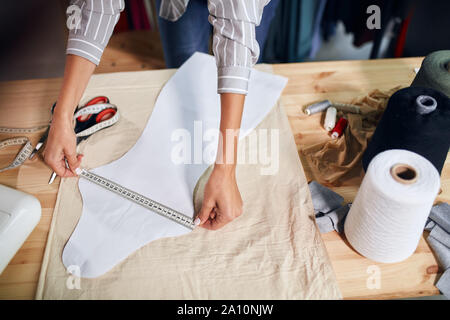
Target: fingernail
[78, 171]
[197, 221]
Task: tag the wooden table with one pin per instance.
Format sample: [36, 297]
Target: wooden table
[26, 103]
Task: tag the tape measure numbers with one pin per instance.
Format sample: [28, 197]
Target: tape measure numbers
[22, 130]
[22, 155]
[139, 199]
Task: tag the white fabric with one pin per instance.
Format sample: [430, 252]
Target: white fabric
[111, 227]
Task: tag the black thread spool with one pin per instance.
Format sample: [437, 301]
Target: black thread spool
[404, 127]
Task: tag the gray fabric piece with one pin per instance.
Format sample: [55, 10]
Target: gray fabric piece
[439, 240]
[444, 283]
[330, 213]
[440, 214]
[338, 216]
[441, 251]
[325, 224]
[430, 225]
[441, 235]
[324, 200]
[334, 220]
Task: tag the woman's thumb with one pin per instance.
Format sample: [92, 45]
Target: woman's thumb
[203, 215]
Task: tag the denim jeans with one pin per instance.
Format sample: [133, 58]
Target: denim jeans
[192, 32]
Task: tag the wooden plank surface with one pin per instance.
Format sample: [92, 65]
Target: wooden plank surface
[27, 103]
[132, 51]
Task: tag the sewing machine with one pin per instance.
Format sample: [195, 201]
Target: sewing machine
[19, 214]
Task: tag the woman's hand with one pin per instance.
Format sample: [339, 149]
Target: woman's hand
[222, 202]
[62, 144]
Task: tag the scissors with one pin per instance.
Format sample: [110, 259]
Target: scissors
[42, 139]
[95, 115]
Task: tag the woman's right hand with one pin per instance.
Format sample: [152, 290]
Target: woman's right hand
[61, 141]
[62, 144]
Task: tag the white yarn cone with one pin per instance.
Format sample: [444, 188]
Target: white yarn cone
[388, 216]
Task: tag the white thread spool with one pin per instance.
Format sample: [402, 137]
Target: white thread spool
[330, 119]
[388, 216]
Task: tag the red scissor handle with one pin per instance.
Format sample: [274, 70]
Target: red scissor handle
[105, 115]
[96, 100]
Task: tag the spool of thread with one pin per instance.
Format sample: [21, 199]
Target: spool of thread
[330, 119]
[435, 72]
[389, 213]
[324, 105]
[339, 129]
[404, 127]
[317, 107]
[345, 107]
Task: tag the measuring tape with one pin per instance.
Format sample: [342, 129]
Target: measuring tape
[82, 131]
[23, 154]
[27, 148]
[89, 119]
[139, 199]
[22, 130]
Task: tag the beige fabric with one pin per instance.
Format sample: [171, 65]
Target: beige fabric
[335, 161]
[273, 251]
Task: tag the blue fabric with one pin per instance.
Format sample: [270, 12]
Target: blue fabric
[192, 32]
[262, 30]
[290, 37]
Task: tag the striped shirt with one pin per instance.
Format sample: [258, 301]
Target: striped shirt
[234, 41]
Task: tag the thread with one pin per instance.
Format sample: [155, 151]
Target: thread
[339, 129]
[404, 127]
[317, 107]
[330, 119]
[435, 72]
[324, 105]
[387, 218]
[345, 107]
